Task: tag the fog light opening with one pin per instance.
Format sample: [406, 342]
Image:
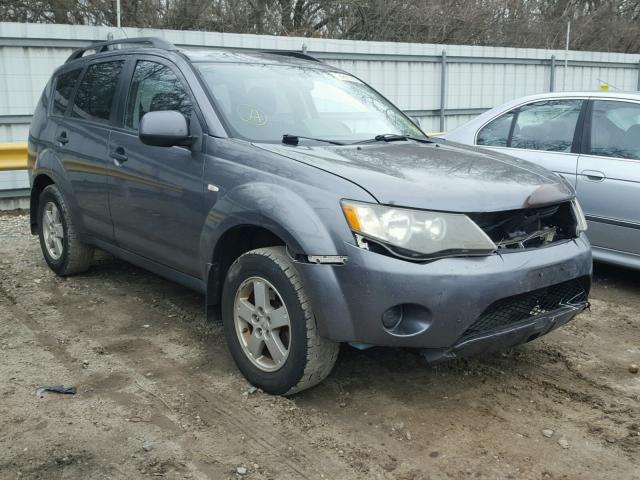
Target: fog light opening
[392, 317]
[406, 319]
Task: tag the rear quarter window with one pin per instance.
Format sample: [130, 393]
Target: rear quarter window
[65, 83]
[496, 132]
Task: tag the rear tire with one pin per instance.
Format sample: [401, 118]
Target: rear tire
[63, 251]
[284, 325]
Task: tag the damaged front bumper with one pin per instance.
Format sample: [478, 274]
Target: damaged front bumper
[446, 303]
[506, 337]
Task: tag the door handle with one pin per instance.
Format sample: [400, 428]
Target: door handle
[62, 138]
[119, 155]
[594, 175]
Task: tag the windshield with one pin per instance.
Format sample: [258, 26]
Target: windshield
[262, 103]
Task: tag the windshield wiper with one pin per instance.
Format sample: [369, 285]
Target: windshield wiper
[295, 139]
[392, 137]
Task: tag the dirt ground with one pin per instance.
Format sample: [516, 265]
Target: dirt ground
[159, 396]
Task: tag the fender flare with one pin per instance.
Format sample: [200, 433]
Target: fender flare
[274, 208]
[49, 164]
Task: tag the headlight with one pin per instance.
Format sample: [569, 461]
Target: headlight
[417, 234]
[581, 221]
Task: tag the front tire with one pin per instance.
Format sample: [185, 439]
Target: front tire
[63, 251]
[270, 327]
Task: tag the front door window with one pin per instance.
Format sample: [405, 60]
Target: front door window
[155, 87]
[615, 129]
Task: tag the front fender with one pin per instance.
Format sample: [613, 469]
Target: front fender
[277, 209]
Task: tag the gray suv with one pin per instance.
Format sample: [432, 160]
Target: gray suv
[307, 208]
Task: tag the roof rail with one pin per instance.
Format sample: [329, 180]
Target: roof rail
[104, 46]
[292, 53]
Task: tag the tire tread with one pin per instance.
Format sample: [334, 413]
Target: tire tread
[79, 256]
[321, 352]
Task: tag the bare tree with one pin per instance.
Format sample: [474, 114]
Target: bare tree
[604, 25]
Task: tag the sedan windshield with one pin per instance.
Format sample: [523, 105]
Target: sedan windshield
[262, 103]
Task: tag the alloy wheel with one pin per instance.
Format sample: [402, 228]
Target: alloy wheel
[52, 230]
[262, 324]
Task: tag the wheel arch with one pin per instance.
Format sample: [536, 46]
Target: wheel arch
[40, 182]
[233, 243]
[256, 215]
[49, 170]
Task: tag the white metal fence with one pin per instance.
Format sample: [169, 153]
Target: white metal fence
[442, 85]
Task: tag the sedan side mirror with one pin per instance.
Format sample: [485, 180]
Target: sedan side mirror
[164, 128]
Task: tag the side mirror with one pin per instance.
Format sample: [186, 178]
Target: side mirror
[164, 129]
[416, 121]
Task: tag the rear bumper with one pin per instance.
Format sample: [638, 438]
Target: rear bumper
[447, 296]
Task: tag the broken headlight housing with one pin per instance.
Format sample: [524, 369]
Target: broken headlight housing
[416, 234]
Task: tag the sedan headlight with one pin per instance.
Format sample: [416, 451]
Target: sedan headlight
[581, 221]
[417, 234]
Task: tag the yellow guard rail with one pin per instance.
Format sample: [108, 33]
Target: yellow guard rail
[13, 156]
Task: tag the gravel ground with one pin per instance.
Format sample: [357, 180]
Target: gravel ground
[159, 396]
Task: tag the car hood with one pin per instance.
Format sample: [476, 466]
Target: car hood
[442, 175]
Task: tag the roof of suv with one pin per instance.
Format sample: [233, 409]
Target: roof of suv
[252, 56]
[147, 44]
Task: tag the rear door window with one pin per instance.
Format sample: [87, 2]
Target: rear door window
[65, 84]
[615, 129]
[548, 125]
[94, 98]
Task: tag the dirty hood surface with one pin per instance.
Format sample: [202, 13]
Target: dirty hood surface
[440, 176]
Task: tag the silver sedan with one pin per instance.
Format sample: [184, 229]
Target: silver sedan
[590, 138]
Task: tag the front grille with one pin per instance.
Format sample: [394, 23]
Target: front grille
[531, 304]
[529, 227]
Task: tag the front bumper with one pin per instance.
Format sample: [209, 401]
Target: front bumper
[448, 295]
[506, 337]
